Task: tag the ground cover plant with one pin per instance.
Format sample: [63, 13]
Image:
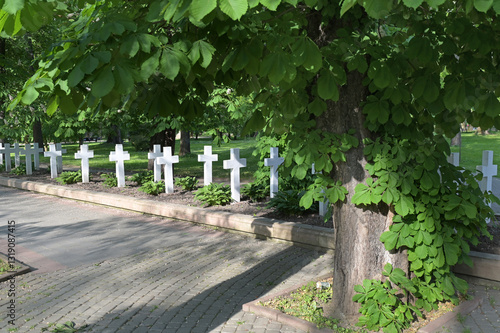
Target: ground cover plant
[153, 188]
[187, 183]
[70, 177]
[214, 194]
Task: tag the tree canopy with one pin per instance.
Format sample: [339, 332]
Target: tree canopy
[367, 90]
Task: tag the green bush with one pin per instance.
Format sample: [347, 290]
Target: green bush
[214, 194]
[139, 142]
[256, 191]
[187, 183]
[288, 203]
[20, 170]
[142, 177]
[110, 179]
[153, 188]
[70, 177]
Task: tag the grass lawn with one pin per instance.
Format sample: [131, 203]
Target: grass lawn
[471, 152]
[187, 166]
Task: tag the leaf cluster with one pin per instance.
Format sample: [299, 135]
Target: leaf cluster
[187, 183]
[70, 177]
[214, 194]
[153, 188]
[142, 177]
[110, 179]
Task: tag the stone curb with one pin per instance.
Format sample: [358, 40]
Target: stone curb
[486, 266]
[281, 317]
[300, 234]
[463, 309]
[22, 270]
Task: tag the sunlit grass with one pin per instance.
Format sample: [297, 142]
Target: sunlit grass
[471, 151]
[187, 166]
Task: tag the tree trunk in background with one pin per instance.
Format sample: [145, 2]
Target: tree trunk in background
[185, 146]
[165, 138]
[359, 254]
[115, 137]
[37, 133]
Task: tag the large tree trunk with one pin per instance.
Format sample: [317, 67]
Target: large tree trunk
[165, 138]
[185, 146]
[359, 254]
[37, 133]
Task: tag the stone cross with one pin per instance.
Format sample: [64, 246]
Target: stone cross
[157, 167]
[168, 160]
[85, 154]
[28, 151]
[274, 162]
[119, 156]
[454, 159]
[235, 164]
[53, 153]
[207, 158]
[488, 169]
[6, 150]
[323, 206]
[59, 158]
[17, 154]
[36, 155]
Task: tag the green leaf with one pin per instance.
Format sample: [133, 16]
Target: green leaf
[149, 66]
[389, 239]
[201, 8]
[451, 251]
[381, 74]
[404, 206]
[377, 8]
[483, 5]
[13, 6]
[346, 5]
[75, 77]
[169, 64]
[234, 8]
[103, 84]
[413, 3]
[89, 64]
[327, 86]
[124, 80]
[130, 46]
[30, 95]
[271, 4]
[53, 104]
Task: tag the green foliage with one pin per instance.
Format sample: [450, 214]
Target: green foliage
[110, 179]
[383, 304]
[67, 327]
[70, 177]
[19, 171]
[140, 142]
[187, 183]
[288, 203]
[153, 188]
[214, 194]
[142, 177]
[256, 191]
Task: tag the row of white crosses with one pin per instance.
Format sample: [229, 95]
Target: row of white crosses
[6, 149]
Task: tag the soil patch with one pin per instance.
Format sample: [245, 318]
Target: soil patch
[179, 196]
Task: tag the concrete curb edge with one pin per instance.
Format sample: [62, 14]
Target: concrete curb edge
[300, 234]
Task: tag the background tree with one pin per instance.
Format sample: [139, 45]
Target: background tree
[371, 90]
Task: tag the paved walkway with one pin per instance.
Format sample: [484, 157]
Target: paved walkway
[123, 272]
[117, 271]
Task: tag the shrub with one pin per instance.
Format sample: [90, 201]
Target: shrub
[142, 177]
[20, 170]
[110, 179]
[187, 183]
[70, 177]
[153, 188]
[288, 202]
[214, 194]
[256, 191]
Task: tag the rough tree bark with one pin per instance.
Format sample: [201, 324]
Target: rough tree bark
[185, 146]
[165, 138]
[359, 254]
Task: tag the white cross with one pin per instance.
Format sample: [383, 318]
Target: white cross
[119, 156]
[53, 153]
[36, 154]
[85, 154]
[28, 151]
[488, 169]
[207, 158]
[59, 158]
[1, 153]
[274, 162]
[454, 159]
[323, 206]
[6, 150]
[235, 164]
[17, 155]
[157, 167]
[168, 160]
